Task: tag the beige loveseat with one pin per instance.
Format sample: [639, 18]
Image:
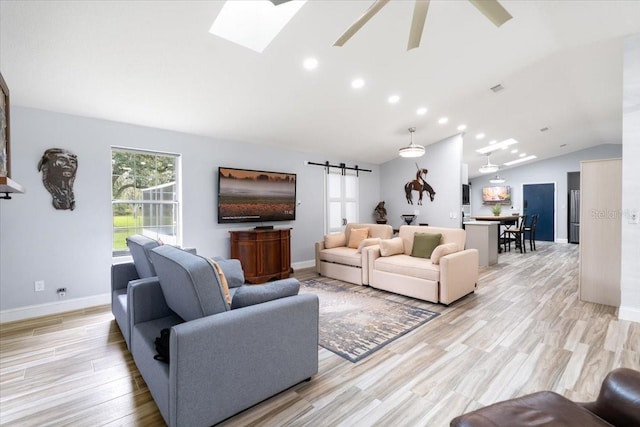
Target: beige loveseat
[450, 273]
[335, 259]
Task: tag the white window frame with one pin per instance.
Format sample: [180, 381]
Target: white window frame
[176, 202]
[341, 198]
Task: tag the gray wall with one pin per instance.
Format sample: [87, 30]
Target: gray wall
[72, 249]
[552, 170]
[443, 160]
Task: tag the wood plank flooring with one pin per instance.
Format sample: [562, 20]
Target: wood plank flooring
[523, 330]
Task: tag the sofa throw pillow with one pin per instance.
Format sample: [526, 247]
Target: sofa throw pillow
[390, 247]
[223, 280]
[256, 294]
[424, 244]
[232, 269]
[356, 236]
[335, 240]
[442, 250]
[369, 241]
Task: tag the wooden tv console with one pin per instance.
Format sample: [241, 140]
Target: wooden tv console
[264, 254]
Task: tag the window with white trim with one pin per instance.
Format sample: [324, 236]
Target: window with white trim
[145, 196]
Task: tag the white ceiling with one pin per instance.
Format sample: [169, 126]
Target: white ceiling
[156, 64]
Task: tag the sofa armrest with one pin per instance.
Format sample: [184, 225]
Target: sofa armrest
[458, 275]
[227, 362]
[371, 253]
[146, 301]
[619, 400]
[319, 247]
[122, 274]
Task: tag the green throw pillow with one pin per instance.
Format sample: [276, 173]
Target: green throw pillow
[424, 244]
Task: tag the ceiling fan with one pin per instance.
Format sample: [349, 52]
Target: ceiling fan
[489, 8]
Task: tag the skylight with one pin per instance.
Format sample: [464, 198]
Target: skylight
[253, 23]
[492, 147]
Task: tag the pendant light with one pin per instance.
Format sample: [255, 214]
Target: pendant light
[489, 167]
[411, 150]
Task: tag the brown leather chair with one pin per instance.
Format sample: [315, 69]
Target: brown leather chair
[618, 404]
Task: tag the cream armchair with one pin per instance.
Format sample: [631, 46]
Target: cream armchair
[340, 255]
[449, 274]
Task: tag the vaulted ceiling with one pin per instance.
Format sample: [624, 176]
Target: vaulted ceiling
[156, 64]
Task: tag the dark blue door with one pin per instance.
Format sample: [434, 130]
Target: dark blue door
[540, 199]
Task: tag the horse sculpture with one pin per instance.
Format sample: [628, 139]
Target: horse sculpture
[420, 185]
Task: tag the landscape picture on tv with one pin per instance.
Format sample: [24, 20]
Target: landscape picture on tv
[497, 195]
[253, 196]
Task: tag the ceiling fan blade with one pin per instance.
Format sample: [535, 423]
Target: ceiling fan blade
[420, 10]
[373, 9]
[277, 2]
[492, 10]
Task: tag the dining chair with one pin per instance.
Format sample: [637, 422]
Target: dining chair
[531, 229]
[516, 234]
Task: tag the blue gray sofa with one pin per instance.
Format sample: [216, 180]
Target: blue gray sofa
[222, 360]
[136, 271]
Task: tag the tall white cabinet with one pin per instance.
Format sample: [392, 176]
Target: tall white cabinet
[600, 230]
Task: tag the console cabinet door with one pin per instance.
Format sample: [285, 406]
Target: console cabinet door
[264, 254]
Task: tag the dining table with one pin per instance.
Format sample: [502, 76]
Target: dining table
[506, 220]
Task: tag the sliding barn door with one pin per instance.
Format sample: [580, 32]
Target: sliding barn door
[341, 200]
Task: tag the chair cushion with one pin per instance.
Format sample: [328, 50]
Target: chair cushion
[257, 294]
[544, 408]
[140, 246]
[390, 247]
[356, 236]
[335, 240]
[424, 244]
[443, 250]
[342, 255]
[369, 241]
[232, 269]
[190, 284]
[406, 265]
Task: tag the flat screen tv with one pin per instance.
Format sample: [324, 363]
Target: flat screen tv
[496, 195]
[255, 196]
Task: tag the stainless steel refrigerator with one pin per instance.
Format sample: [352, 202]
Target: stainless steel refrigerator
[574, 216]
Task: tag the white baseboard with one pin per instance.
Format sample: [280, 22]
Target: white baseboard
[39, 310]
[304, 264]
[562, 240]
[629, 313]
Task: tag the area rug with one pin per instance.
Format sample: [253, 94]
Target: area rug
[355, 324]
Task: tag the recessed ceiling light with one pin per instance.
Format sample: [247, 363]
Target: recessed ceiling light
[497, 88]
[492, 147]
[523, 154]
[310, 63]
[480, 136]
[443, 120]
[357, 83]
[393, 99]
[462, 127]
[421, 111]
[493, 141]
[524, 159]
[514, 151]
[544, 129]
[563, 145]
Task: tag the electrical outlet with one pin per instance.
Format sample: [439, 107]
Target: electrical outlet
[61, 292]
[38, 286]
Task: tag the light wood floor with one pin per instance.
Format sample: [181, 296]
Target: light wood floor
[523, 330]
